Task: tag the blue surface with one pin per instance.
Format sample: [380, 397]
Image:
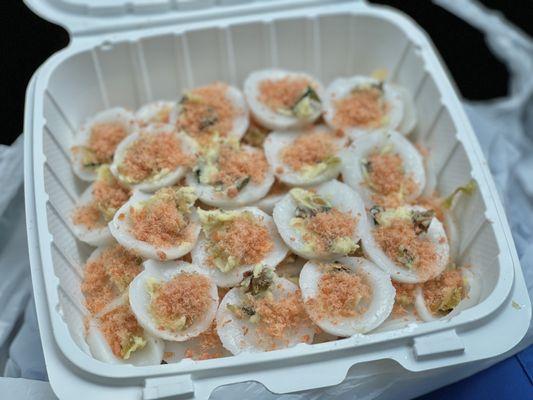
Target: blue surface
[510, 379]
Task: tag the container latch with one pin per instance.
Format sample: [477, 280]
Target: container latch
[439, 343]
[175, 387]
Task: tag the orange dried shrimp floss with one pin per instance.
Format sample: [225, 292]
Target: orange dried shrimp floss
[161, 226]
[215, 109]
[180, 302]
[282, 93]
[234, 241]
[107, 274]
[282, 100]
[265, 313]
[347, 296]
[242, 240]
[308, 150]
[321, 223]
[97, 206]
[160, 222]
[408, 242]
[173, 300]
[361, 105]
[341, 293]
[454, 290]
[205, 346]
[388, 180]
[405, 298]
[102, 143]
[228, 174]
[122, 331]
[98, 139]
[306, 157]
[364, 107]
[385, 168]
[108, 195]
[154, 157]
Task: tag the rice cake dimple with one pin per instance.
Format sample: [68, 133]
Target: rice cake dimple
[173, 300]
[384, 168]
[282, 99]
[246, 236]
[215, 109]
[390, 246]
[115, 337]
[154, 227]
[154, 156]
[342, 221]
[347, 297]
[361, 104]
[97, 140]
[448, 294]
[106, 275]
[281, 320]
[306, 157]
[230, 175]
[97, 206]
[156, 112]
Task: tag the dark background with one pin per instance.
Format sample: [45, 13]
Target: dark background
[27, 41]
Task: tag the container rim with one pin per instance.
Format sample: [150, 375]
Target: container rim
[101, 17]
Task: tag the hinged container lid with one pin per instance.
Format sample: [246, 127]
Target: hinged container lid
[92, 17]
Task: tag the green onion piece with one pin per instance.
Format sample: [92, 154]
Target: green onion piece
[468, 189]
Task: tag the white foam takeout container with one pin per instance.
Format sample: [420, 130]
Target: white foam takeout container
[129, 52]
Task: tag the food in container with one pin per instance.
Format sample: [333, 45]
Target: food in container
[393, 42]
